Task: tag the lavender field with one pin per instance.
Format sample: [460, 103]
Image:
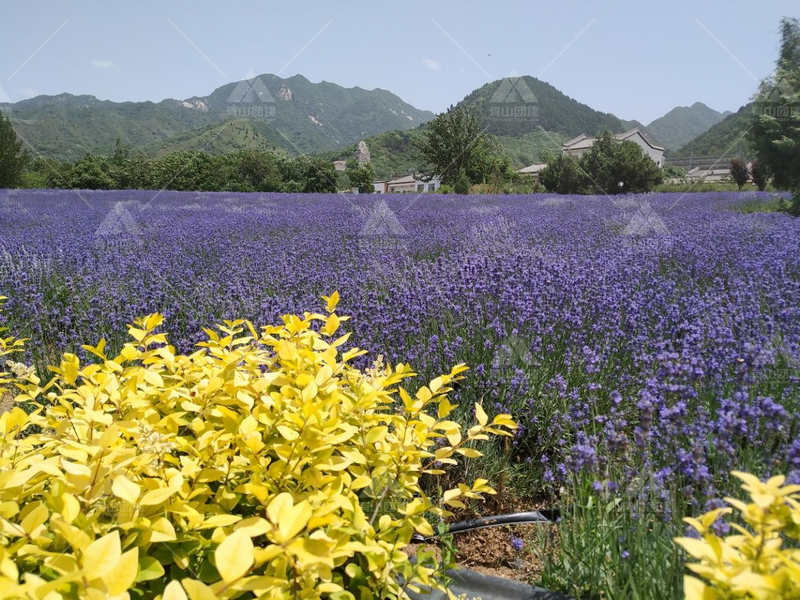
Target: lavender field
[646, 344]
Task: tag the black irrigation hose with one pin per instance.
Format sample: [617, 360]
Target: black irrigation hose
[521, 518]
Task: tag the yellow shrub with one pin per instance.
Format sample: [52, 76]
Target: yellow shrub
[754, 563]
[260, 465]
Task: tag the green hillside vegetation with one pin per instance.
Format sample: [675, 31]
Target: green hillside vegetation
[224, 137]
[391, 153]
[315, 116]
[721, 139]
[683, 124]
[557, 112]
[532, 147]
[67, 126]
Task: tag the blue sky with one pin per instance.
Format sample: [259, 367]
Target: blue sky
[636, 59]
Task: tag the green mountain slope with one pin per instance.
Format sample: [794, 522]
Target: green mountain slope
[682, 124]
[315, 117]
[222, 137]
[557, 112]
[726, 138]
[67, 126]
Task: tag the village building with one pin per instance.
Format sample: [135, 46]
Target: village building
[410, 184]
[577, 146]
[532, 171]
[715, 175]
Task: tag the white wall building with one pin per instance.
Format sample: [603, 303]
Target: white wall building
[410, 184]
[577, 146]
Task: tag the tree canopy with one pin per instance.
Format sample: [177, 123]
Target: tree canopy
[775, 132]
[457, 141]
[12, 157]
[608, 167]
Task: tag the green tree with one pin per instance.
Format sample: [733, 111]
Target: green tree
[461, 185]
[457, 141]
[608, 167]
[673, 172]
[141, 171]
[614, 167]
[739, 173]
[562, 175]
[119, 166]
[89, 174]
[775, 132]
[633, 170]
[185, 170]
[12, 158]
[360, 176]
[308, 175]
[259, 170]
[759, 174]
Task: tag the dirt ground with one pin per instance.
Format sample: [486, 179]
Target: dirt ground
[489, 550]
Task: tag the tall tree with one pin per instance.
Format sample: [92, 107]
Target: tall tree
[12, 158]
[759, 175]
[775, 131]
[457, 141]
[360, 176]
[739, 172]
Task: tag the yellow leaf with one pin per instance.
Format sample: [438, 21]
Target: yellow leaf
[294, 520]
[694, 589]
[101, 556]
[469, 452]
[123, 575]
[376, 434]
[158, 496]
[288, 433]
[174, 591]
[153, 378]
[254, 526]
[450, 495]
[480, 414]
[279, 504]
[125, 489]
[331, 301]
[35, 518]
[71, 507]
[198, 590]
[331, 325]
[161, 530]
[234, 556]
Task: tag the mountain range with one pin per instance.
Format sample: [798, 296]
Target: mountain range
[294, 116]
[266, 111]
[726, 138]
[683, 124]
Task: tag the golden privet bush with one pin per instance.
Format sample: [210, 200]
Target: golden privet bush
[261, 465]
[759, 562]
